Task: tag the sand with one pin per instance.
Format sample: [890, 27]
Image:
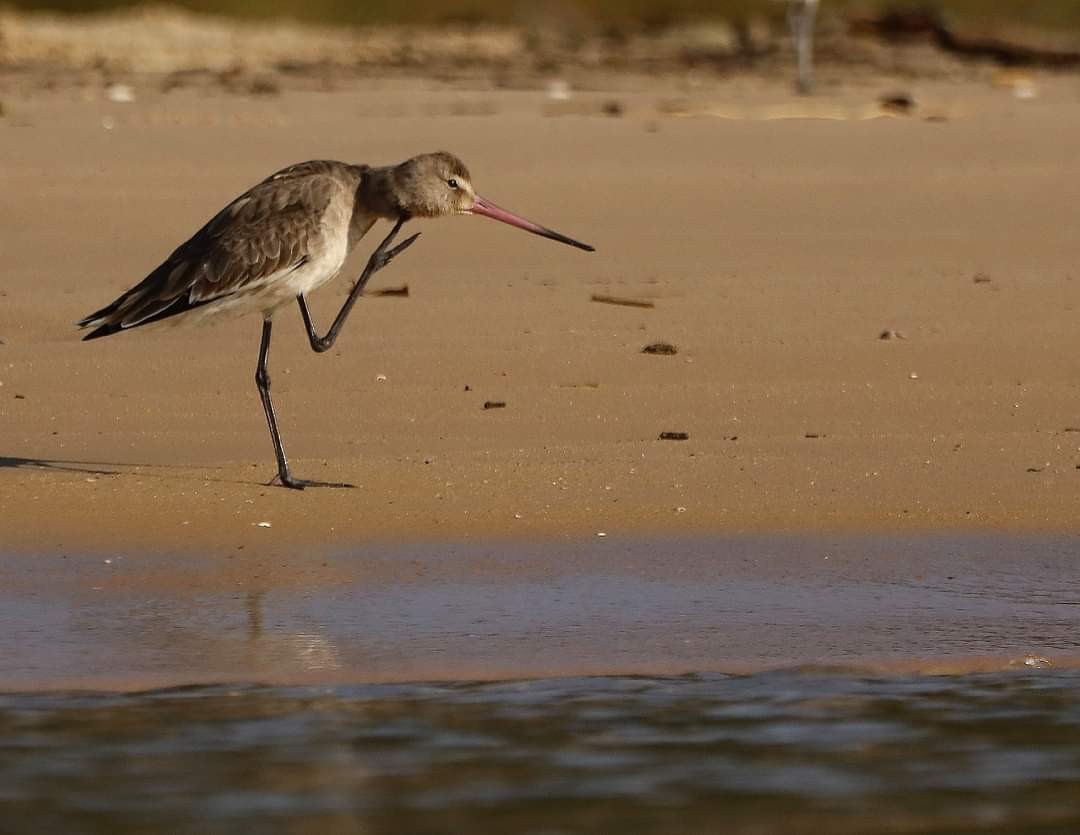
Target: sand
[776, 252]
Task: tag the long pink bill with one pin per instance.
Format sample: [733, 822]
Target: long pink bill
[489, 209]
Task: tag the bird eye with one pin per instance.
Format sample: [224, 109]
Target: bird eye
[452, 183]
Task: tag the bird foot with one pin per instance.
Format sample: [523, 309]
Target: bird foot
[287, 480]
[381, 259]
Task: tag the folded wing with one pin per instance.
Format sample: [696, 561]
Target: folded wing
[264, 234]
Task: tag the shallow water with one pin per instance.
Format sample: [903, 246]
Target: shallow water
[511, 610]
[795, 751]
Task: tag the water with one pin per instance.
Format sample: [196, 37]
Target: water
[793, 751]
[511, 610]
[557, 693]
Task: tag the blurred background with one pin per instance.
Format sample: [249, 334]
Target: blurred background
[601, 12]
[526, 38]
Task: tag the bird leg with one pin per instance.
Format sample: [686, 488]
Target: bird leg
[379, 259]
[262, 380]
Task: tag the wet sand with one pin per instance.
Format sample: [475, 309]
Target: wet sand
[504, 610]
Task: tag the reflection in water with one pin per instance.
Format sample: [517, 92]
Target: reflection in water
[770, 752]
[310, 650]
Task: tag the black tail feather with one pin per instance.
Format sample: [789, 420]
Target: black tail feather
[103, 330]
[104, 313]
[181, 304]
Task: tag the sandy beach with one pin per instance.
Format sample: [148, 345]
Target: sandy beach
[775, 253]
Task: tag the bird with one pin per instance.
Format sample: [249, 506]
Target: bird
[801, 16]
[287, 236]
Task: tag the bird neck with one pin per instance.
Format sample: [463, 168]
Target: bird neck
[377, 193]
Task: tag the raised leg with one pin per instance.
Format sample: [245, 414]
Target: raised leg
[262, 380]
[379, 259]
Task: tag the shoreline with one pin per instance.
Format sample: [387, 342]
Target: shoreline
[508, 610]
[946, 667]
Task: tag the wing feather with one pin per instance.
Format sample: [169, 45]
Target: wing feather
[271, 229]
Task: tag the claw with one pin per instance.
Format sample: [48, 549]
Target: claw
[401, 247]
[384, 258]
[287, 480]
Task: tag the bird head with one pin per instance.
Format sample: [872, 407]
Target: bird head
[439, 184]
[434, 185]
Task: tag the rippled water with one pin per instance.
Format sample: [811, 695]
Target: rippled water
[803, 751]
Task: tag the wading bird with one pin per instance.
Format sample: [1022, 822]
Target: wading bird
[801, 16]
[290, 234]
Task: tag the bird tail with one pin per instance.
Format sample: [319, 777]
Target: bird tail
[101, 321]
[151, 300]
[124, 314]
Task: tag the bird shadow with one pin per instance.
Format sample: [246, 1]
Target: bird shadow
[9, 462]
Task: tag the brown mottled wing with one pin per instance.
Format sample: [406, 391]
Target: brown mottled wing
[266, 232]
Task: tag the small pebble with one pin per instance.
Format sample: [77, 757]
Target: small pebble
[621, 300]
[380, 378]
[122, 93]
[1025, 89]
[558, 90]
[402, 291]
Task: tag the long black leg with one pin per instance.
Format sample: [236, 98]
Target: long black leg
[379, 259]
[262, 380]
